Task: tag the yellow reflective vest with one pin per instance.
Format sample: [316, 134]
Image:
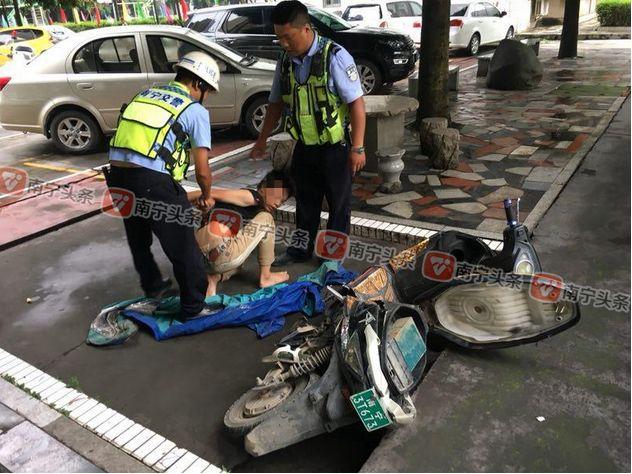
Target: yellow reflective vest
[316, 116]
[145, 122]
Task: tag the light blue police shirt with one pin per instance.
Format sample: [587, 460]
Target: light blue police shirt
[196, 124]
[344, 80]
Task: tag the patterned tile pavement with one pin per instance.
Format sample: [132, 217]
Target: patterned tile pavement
[513, 143]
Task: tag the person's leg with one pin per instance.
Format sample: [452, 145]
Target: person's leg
[337, 181]
[264, 223]
[306, 172]
[257, 233]
[138, 233]
[179, 244]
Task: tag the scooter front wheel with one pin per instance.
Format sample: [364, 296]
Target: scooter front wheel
[255, 406]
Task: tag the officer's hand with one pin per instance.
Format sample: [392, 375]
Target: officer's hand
[356, 161]
[205, 204]
[258, 151]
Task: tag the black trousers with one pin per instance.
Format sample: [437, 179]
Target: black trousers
[320, 171]
[177, 240]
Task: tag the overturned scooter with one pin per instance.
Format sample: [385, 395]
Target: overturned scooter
[370, 351]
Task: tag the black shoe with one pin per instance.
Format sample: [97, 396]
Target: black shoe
[287, 259]
[160, 290]
[208, 310]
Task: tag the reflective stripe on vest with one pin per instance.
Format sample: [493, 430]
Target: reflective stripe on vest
[316, 116]
[145, 122]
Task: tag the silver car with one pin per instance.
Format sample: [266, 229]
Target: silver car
[73, 92]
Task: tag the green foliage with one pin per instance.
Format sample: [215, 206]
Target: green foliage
[56, 4]
[12, 381]
[614, 12]
[73, 382]
[88, 25]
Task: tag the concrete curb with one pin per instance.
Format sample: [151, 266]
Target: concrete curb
[100, 434]
[580, 37]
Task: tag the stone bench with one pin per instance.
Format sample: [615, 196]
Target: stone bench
[453, 81]
[483, 64]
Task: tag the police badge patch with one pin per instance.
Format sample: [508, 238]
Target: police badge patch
[352, 72]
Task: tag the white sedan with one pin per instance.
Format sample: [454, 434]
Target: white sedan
[400, 15]
[477, 23]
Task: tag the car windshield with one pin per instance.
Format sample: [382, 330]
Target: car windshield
[458, 9]
[226, 51]
[333, 22]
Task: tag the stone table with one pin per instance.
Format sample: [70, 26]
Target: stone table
[385, 124]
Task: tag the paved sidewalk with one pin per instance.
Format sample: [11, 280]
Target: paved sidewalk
[559, 405]
[36, 438]
[589, 29]
[508, 145]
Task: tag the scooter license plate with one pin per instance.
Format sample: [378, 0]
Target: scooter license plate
[367, 406]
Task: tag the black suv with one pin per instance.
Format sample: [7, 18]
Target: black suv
[382, 56]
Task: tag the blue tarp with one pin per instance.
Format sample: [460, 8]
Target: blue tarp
[262, 311]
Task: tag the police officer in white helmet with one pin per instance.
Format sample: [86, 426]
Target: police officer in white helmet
[158, 135]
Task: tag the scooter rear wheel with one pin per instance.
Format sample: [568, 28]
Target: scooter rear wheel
[237, 420]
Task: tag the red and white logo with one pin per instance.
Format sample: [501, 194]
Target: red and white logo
[546, 287]
[13, 180]
[225, 223]
[118, 202]
[332, 245]
[438, 266]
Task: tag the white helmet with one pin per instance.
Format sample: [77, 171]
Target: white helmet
[202, 65]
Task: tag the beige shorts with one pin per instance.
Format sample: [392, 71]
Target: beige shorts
[225, 255]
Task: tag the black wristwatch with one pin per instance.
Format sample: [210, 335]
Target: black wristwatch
[357, 149]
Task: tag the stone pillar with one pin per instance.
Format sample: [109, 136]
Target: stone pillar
[390, 167]
[427, 126]
[281, 150]
[445, 148]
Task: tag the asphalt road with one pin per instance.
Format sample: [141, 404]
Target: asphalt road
[179, 388]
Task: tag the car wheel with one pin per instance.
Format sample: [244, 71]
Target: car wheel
[370, 76]
[255, 115]
[474, 44]
[510, 33]
[75, 132]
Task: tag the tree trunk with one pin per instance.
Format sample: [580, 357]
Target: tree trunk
[433, 65]
[570, 29]
[18, 16]
[156, 16]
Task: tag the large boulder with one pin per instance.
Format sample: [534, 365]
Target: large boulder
[514, 66]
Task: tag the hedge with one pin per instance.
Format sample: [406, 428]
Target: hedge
[88, 25]
[614, 12]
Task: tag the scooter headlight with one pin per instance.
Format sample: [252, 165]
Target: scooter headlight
[524, 267]
[488, 314]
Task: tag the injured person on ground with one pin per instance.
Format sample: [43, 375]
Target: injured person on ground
[240, 222]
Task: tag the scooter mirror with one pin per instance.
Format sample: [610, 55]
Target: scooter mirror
[489, 315]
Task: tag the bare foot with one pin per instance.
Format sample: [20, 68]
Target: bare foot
[273, 278]
[213, 280]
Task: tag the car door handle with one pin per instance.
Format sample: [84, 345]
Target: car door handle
[85, 85]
